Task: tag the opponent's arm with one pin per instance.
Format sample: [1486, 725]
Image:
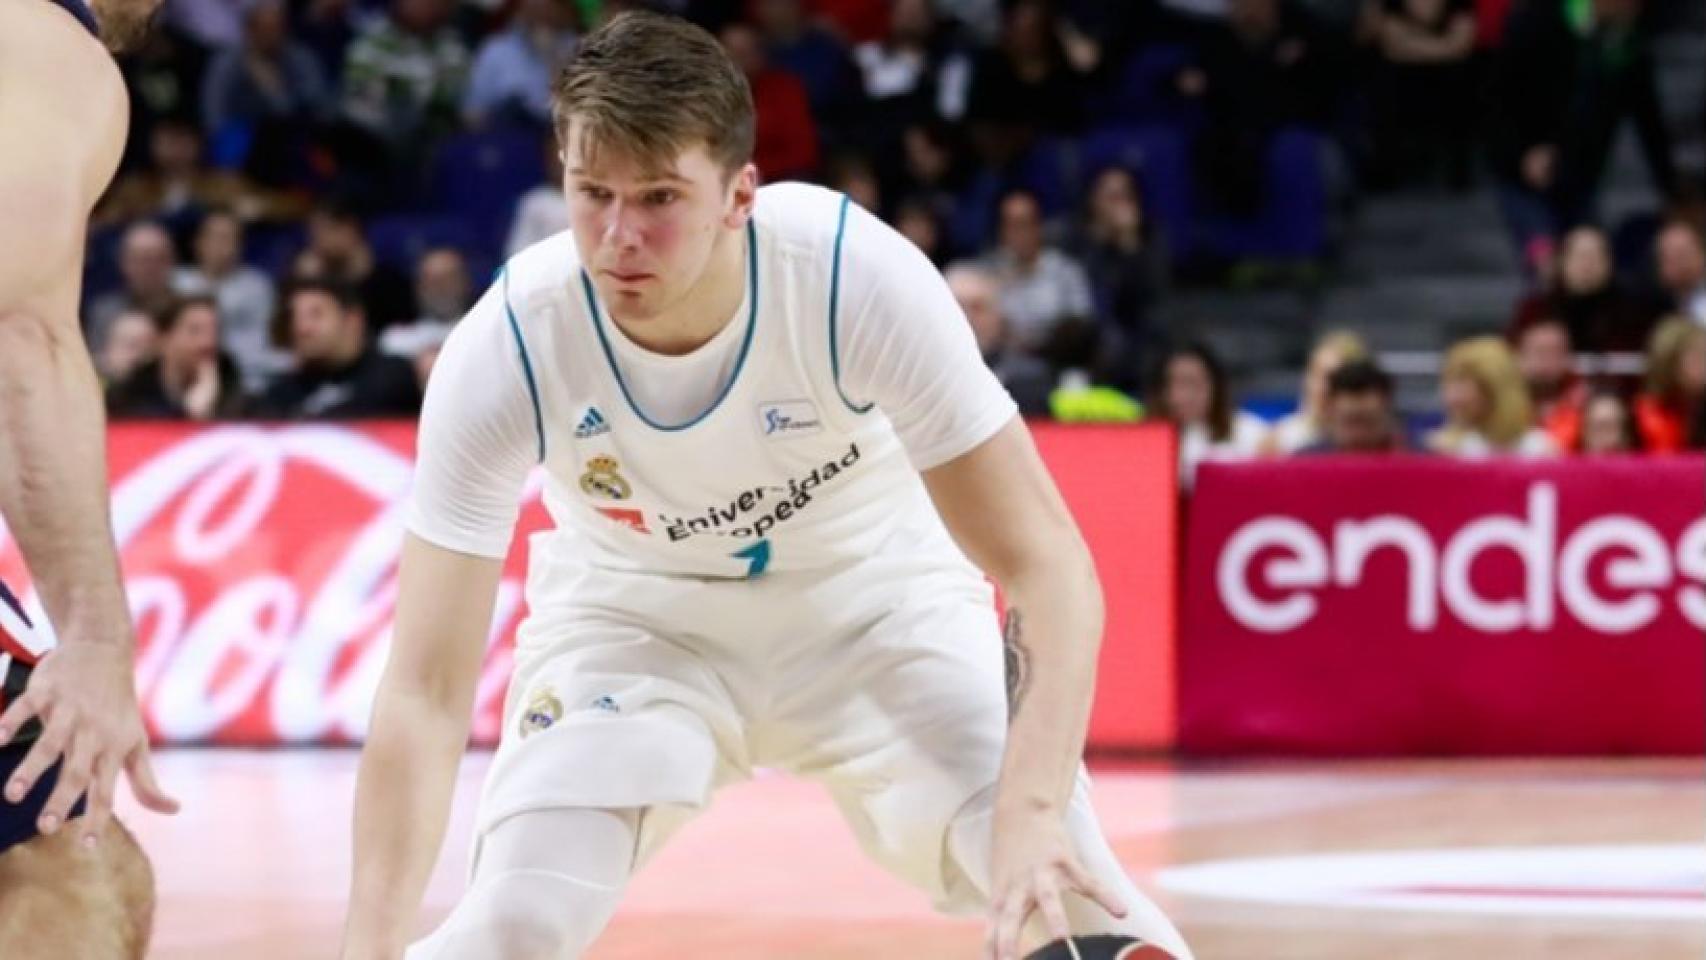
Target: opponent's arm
[53, 471]
[420, 726]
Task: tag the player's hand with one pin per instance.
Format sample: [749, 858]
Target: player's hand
[1033, 867]
[84, 694]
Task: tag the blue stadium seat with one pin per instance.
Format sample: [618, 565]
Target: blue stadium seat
[1292, 224]
[400, 239]
[479, 177]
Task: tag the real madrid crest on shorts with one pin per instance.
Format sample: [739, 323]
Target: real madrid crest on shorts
[604, 479]
[542, 712]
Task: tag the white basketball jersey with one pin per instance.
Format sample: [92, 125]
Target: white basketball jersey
[781, 471]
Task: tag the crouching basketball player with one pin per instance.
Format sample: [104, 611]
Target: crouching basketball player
[73, 884]
[778, 470]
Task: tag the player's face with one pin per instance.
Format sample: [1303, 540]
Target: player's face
[647, 237]
[123, 22]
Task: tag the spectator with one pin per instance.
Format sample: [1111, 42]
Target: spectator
[816, 57]
[146, 261]
[1544, 356]
[513, 70]
[444, 292]
[402, 85]
[325, 27]
[1608, 425]
[1307, 426]
[244, 294]
[1026, 377]
[192, 379]
[1425, 107]
[914, 74]
[1127, 264]
[1667, 411]
[131, 341]
[852, 174]
[339, 374]
[542, 211]
[178, 186]
[1487, 411]
[1359, 416]
[1680, 259]
[1267, 67]
[1567, 76]
[933, 169]
[787, 139]
[338, 240]
[1033, 84]
[1600, 313]
[1191, 392]
[164, 78]
[1045, 294]
[268, 80]
[917, 221]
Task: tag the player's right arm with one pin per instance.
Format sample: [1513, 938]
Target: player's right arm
[419, 727]
[63, 120]
[478, 438]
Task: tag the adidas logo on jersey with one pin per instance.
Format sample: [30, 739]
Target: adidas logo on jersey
[591, 425]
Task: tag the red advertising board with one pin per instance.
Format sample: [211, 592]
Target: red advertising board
[261, 568]
[1415, 605]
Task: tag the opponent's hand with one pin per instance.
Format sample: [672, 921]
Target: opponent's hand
[1033, 866]
[84, 694]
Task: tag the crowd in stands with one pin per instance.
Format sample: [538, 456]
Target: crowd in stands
[317, 189]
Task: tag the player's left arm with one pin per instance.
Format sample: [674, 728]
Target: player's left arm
[1051, 632]
[910, 352]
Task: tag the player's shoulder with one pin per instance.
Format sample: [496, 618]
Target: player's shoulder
[815, 220]
[549, 268]
[60, 89]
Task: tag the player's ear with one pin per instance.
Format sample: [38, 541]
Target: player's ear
[743, 194]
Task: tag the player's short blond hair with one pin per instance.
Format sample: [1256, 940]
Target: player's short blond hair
[648, 86]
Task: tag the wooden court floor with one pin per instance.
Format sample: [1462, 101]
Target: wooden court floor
[1510, 860]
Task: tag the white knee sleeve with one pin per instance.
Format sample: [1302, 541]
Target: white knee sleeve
[545, 884]
[969, 844]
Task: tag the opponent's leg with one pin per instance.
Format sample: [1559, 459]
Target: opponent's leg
[970, 839]
[545, 884]
[60, 900]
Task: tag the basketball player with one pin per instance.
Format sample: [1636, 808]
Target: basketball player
[771, 447]
[71, 886]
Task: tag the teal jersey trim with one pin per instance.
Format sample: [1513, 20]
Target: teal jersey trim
[740, 362]
[834, 303]
[526, 366]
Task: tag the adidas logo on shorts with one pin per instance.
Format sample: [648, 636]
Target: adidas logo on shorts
[591, 425]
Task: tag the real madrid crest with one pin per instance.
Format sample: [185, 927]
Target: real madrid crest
[543, 711]
[603, 478]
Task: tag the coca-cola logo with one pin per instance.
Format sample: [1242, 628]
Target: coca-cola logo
[1272, 571]
[261, 573]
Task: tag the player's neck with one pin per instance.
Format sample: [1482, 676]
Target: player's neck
[704, 310]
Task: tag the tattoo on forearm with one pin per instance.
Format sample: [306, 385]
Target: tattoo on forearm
[1018, 662]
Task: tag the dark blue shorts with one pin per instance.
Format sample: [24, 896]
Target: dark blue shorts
[18, 820]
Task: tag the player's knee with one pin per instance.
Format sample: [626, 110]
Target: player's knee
[60, 900]
[1101, 948]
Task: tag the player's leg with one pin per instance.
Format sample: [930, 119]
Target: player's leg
[546, 884]
[610, 742]
[908, 734]
[60, 900]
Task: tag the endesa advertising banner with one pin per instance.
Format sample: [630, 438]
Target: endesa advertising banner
[261, 566]
[1414, 605]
